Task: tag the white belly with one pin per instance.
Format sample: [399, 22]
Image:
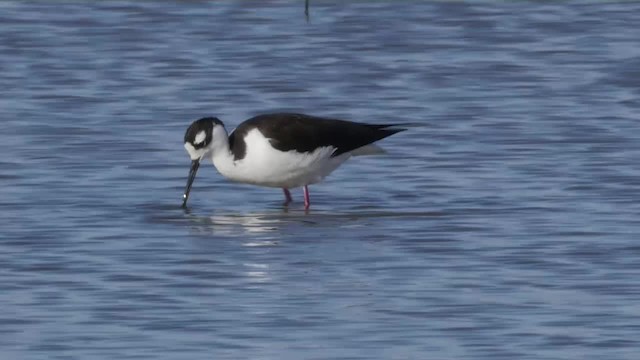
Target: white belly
[265, 166]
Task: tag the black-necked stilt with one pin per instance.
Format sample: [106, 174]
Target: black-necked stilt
[280, 150]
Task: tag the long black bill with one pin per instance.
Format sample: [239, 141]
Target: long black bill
[195, 164]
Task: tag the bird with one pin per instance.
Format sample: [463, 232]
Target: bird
[280, 150]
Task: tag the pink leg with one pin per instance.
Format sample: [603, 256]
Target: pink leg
[307, 202]
[287, 196]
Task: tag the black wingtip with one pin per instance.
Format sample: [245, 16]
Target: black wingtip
[402, 126]
[390, 129]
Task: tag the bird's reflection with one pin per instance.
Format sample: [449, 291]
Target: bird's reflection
[259, 228]
[266, 227]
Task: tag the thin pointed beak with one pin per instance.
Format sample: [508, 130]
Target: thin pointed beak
[195, 164]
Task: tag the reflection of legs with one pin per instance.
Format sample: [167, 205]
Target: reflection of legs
[307, 202]
[287, 196]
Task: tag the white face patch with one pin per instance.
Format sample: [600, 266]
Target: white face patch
[193, 153]
[200, 137]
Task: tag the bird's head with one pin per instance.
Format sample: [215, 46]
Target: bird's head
[201, 139]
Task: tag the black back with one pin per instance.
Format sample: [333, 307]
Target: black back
[305, 133]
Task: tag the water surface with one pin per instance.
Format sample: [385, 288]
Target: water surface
[503, 225]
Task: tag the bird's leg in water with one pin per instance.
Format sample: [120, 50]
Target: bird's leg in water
[307, 202]
[287, 196]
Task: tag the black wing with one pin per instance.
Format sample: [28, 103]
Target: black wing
[305, 133]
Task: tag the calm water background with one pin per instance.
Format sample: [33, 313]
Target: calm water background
[505, 225]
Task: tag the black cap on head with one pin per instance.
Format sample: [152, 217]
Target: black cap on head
[199, 132]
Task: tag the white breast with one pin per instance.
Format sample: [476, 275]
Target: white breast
[264, 165]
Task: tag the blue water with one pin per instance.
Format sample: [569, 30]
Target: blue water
[503, 225]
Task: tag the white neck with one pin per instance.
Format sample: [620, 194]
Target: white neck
[221, 155]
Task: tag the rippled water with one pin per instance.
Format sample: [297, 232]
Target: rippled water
[504, 225]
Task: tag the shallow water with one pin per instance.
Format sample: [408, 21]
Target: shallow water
[503, 225]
